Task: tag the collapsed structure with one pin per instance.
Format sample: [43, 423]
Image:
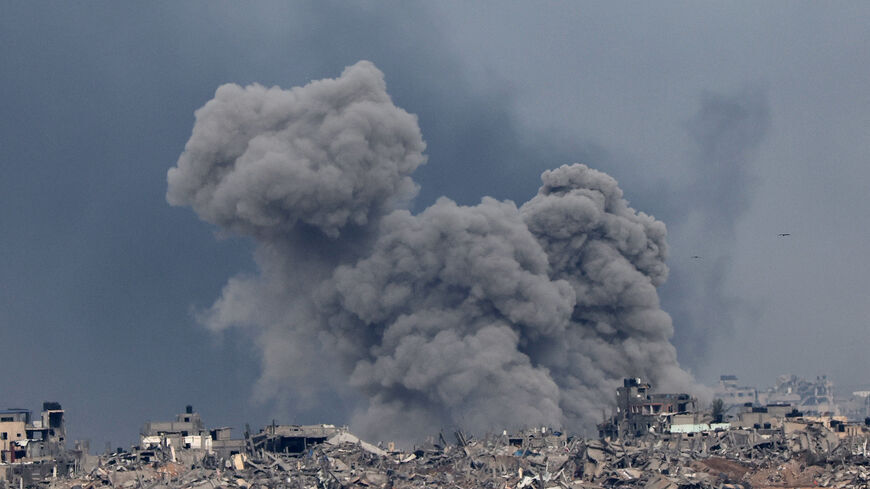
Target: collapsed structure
[802, 453]
[292, 438]
[653, 440]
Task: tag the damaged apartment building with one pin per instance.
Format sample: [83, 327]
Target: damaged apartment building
[793, 404]
[813, 397]
[24, 438]
[292, 438]
[189, 432]
[188, 437]
[34, 448]
[639, 410]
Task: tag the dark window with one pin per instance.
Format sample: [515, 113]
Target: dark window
[6, 419]
[4, 436]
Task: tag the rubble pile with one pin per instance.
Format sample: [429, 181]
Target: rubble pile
[729, 458]
[535, 459]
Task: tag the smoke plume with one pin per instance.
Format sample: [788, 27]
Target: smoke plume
[488, 316]
[334, 153]
[726, 133]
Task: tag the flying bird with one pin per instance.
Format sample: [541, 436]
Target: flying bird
[696, 257]
[783, 234]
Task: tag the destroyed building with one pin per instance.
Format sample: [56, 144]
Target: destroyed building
[686, 450]
[34, 449]
[805, 453]
[813, 397]
[653, 440]
[188, 437]
[639, 410]
[24, 438]
[188, 432]
[223, 445]
[292, 438]
[810, 397]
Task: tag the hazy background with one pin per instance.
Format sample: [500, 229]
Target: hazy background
[730, 122]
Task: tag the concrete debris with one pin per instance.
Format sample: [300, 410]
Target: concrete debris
[653, 441]
[534, 459]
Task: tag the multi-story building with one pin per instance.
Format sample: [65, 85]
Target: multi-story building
[188, 432]
[24, 438]
[13, 429]
[814, 398]
[292, 438]
[639, 410]
[733, 394]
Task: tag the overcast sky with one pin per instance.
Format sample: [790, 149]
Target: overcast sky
[731, 122]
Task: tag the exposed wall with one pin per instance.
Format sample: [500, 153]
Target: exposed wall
[10, 431]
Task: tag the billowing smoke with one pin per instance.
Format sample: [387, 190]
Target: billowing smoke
[486, 316]
[332, 154]
[726, 133]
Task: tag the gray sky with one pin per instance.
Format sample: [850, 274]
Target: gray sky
[730, 122]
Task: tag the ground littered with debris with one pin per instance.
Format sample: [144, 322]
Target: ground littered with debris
[535, 460]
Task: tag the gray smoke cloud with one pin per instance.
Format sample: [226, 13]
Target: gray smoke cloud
[331, 154]
[726, 134]
[486, 316]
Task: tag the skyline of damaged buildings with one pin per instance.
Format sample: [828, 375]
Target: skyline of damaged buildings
[638, 408]
[795, 416]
